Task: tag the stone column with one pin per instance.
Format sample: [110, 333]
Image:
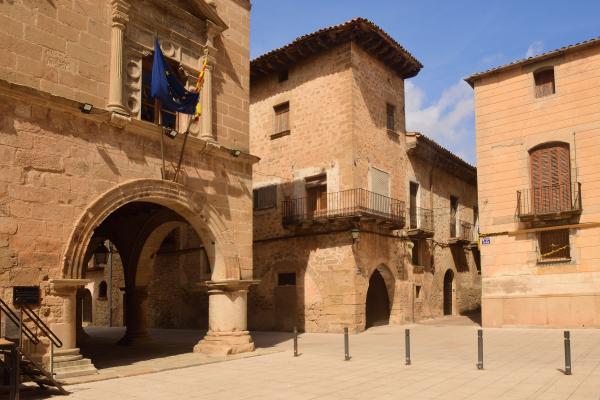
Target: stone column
[227, 319]
[136, 301]
[207, 133]
[66, 329]
[120, 17]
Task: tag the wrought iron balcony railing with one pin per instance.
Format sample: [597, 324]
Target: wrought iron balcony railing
[348, 203]
[461, 231]
[547, 202]
[420, 218]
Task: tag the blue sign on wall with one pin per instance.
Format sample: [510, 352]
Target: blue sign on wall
[486, 240]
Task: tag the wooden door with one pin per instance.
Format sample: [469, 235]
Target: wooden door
[448, 292]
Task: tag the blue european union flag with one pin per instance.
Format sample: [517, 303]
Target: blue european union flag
[166, 87]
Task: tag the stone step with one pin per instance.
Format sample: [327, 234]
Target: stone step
[59, 359]
[67, 352]
[75, 371]
[74, 363]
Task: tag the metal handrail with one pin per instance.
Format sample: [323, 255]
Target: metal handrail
[346, 203]
[42, 326]
[540, 200]
[15, 320]
[420, 218]
[465, 230]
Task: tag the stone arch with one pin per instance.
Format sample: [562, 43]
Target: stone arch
[379, 297]
[190, 205]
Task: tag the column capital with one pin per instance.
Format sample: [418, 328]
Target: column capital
[66, 285]
[119, 13]
[212, 31]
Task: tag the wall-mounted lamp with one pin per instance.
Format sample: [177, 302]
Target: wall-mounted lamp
[86, 108]
[170, 132]
[100, 255]
[236, 153]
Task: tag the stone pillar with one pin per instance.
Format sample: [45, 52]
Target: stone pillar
[136, 301]
[120, 17]
[212, 30]
[227, 319]
[66, 329]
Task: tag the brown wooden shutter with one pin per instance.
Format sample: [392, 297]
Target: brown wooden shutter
[544, 83]
[551, 178]
[282, 117]
[554, 244]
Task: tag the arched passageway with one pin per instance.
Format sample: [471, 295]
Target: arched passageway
[448, 292]
[378, 302]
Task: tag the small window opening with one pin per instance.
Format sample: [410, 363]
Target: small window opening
[391, 117]
[283, 75]
[415, 252]
[286, 279]
[554, 245]
[418, 291]
[544, 82]
[102, 290]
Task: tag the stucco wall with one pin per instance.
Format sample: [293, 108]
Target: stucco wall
[517, 289]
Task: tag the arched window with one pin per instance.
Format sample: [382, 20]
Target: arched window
[544, 82]
[102, 290]
[551, 178]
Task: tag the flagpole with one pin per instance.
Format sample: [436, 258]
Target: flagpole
[163, 171]
[185, 136]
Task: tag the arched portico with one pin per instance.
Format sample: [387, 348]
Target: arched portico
[137, 216]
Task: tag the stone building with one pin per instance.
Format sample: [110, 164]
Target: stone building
[83, 159]
[538, 140]
[356, 221]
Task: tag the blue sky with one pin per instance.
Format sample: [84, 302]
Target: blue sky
[452, 39]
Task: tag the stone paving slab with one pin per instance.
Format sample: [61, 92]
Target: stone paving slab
[519, 364]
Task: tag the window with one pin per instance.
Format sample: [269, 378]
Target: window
[380, 182]
[149, 111]
[282, 117]
[415, 252]
[554, 245]
[283, 76]
[316, 193]
[102, 290]
[414, 190]
[264, 197]
[453, 216]
[286, 279]
[418, 291]
[391, 117]
[544, 82]
[550, 178]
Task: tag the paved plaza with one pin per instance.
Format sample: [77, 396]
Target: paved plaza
[519, 364]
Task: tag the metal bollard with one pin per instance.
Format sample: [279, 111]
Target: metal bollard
[567, 353]
[295, 342]
[346, 345]
[407, 346]
[479, 348]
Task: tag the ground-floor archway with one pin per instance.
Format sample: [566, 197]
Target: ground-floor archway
[378, 302]
[448, 292]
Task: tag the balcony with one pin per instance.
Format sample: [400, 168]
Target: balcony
[549, 203]
[461, 232]
[348, 204]
[420, 223]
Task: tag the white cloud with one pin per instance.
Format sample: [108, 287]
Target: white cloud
[535, 48]
[449, 120]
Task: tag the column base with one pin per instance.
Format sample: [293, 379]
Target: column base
[225, 343]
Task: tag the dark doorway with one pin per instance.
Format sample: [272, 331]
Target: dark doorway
[378, 302]
[448, 280]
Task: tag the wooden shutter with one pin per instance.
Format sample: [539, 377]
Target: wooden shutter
[282, 117]
[551, 178]
[414, 190]
[265, 197]
[544, 83]
[380, 182]
[554, 244]
[391, 117]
